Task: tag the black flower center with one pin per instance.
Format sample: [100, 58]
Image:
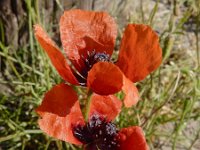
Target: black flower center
[94, 57]
[97, 134]
[88, 61]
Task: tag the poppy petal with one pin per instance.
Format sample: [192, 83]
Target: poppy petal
[57, 58]
[105, 78]
[83, 30]
[107, 106]
[59, 111]
[130, 91]
[140, 52]
[132, 138]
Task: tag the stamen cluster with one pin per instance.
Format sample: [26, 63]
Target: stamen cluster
[94, 57]
[97, 134]
[88, 61]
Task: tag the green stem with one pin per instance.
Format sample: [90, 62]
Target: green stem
[87, 106]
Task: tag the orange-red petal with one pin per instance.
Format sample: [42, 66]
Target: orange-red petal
[132, 138]
[130, 91]
[105, 78]
[57, 58]
[107, 106]
[83, 31]
[140, 52]
[59, 111]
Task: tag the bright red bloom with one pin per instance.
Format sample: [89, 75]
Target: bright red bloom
[88, 39]
[61, 118]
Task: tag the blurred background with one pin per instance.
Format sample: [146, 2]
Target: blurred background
[169, 109]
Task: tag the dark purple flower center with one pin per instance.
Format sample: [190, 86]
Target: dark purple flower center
[94, 57]
[97, 134]
[88, 61]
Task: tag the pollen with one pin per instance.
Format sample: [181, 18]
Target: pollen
[97, 134]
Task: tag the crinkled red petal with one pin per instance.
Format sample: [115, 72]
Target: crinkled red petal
[132, 138]
[140, 52]
[130, 91]
[106, 106]
[59, 111]
[83, 31]
[57, 58]
[105, 78]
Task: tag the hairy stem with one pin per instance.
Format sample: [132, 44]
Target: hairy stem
[87, 105]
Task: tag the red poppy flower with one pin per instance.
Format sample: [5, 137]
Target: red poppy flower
[88, 40]
[61, 118]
